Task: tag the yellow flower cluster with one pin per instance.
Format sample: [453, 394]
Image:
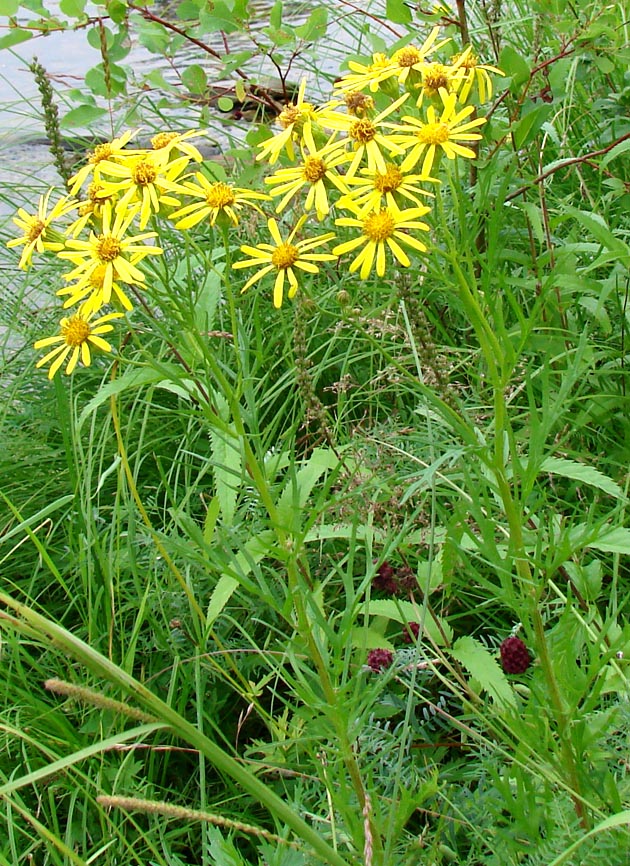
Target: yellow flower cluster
[117, 188]
[371, 151]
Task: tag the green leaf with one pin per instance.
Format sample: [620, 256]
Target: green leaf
[482, 665]
[514, 65]
[226, 464]
[369, 638]
[84, 116]
[15, 37]
[9, 8]
[218, 16]
[315, 27]
[73, 8]
[117, 11]
[275, 16]
[525, 129]
[398, 12]
[195, 78]
[95, 80]
[582, 472]
[614, 541]
[224, 103]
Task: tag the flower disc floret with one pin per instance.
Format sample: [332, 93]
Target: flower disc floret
[285, 256]
[314, 169]
[220, 195]
[107, 248]
[379, 226]
[389, 180]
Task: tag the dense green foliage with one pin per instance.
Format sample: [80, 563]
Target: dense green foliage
[217, 527]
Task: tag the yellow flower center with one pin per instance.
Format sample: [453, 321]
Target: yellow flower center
[284, 256]
[358, 104]
[37, 227]
[469, 62]
[220, 195]
[407, 56]
[143, 173]
[107, 248]
[314, 169]
[379, 226]
[100, 152]
[362, 131]
[97, 277]
[292, 113]
[434, 133]
[86, 207]
[75, 331]
[435, 76]
[93, 192]
[162, 139]
[390, 180]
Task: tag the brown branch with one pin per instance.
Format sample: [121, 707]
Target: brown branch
[574, 160]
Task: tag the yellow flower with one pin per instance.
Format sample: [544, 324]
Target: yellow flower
[178, 141]
[368, 136]
[90, 209]
[379, 230]
[317, 167]
[444, 132]
[437, 77]
[109, 150]
[94, 287]
[77, 335]
[368, 75]
[283, 256]
[370, 190]
[216, 198]
[146, 178]
[412, 59]
[473, 72]
[111, 249]
[38, 235]
[295, 119]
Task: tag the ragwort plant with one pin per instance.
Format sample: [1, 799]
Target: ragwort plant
[238, 522]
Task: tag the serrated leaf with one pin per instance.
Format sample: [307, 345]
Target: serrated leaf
[482, 665]
[368, 638]
[582, 472]
[439, 631]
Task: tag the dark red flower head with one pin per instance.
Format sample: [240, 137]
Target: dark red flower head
[379, 659]
[515, 657]
[410, 633]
